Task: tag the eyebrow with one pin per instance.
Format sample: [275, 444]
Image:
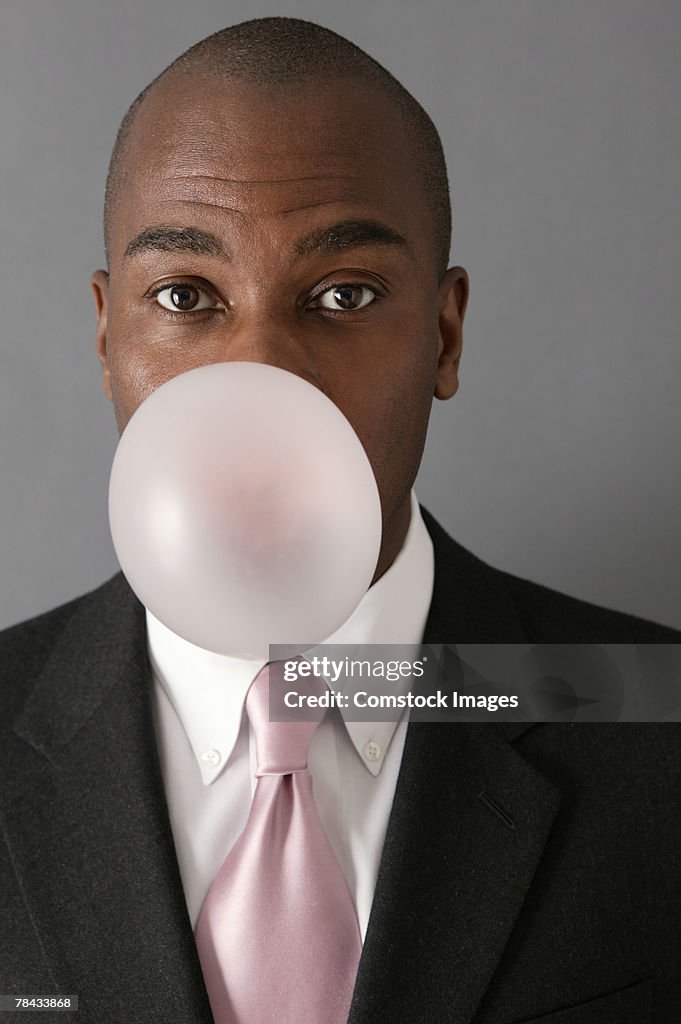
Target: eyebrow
[348, 234]
[173, 239]
[328, 240]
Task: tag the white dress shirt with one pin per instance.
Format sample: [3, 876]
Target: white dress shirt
[208, 757]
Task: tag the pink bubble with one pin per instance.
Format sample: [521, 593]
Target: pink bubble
[244, 510]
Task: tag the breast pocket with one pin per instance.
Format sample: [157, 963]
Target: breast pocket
[630, 1005]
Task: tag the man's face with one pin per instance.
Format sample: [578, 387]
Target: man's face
[289, 227]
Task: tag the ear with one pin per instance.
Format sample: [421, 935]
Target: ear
[99, 282]
[453, 292]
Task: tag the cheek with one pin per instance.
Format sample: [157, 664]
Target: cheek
[390, 413]
[135, 372]
[399, 425]
[140, 362]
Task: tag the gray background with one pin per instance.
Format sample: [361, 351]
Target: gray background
[559, 458]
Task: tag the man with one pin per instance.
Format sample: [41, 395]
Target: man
[275, 196]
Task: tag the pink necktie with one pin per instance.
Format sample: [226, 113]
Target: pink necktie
[277, 935]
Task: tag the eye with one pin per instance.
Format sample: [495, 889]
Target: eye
[184, 298]
[345, 297]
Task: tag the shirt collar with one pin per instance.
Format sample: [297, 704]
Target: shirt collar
[208, 690]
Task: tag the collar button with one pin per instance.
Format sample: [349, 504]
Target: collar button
[372, 751]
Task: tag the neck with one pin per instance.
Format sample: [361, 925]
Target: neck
[394, 534]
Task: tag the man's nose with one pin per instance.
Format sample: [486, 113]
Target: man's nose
[272, 343]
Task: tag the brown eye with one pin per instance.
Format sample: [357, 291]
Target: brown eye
[346, 296]
[184, 298]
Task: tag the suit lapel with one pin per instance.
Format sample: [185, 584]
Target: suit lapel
[469, 822]
[453, 875]
[470, 603]
[95, 855]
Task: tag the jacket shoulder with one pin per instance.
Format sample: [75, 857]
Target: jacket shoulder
[486, 604]
[26, 647]
[554, 617]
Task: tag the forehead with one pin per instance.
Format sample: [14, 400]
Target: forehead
[214, 146]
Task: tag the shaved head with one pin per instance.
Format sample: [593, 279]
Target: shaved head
[288, 53]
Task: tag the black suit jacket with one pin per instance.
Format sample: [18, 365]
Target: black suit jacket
[565, 909]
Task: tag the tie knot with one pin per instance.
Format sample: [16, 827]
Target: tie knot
[281, 747]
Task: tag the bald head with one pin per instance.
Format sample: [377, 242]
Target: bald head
[290, 53]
